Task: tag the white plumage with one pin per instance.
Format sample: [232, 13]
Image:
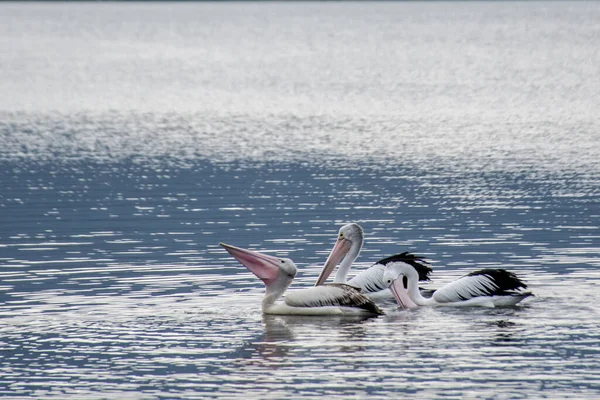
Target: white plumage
[466, 288]
[278, 274]
[370, 281]
[341, 295]
[486, 287]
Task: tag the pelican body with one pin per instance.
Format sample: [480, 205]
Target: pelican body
[278, 274]
[347, 248]
[486, 288]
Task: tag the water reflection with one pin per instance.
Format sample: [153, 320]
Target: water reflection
[271, 348]
[285, 336]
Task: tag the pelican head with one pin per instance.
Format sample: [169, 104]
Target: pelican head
[401, 278]
[350, 237]
[273, 271]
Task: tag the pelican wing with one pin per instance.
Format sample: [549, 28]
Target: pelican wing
[337, 294]
[370, 280]
[418, 263]
[485, 282]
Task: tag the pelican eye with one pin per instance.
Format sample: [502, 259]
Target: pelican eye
[389, 281]
[281, 261]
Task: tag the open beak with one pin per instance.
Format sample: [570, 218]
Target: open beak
[341, 248]
[399, 289]
[263, 266]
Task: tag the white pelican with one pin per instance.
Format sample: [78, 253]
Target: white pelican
[278, 274]
[370, 281]
[486, 287]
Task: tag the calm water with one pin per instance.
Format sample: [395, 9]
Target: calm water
[135, 137]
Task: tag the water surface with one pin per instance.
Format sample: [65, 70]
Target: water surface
[138, 136]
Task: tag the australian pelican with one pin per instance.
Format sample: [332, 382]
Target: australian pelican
[486, 287]
[278, 274]
[370, 281]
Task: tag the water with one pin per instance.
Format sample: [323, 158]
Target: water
[135, 137]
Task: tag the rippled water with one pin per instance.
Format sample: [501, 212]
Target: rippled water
[135, 137]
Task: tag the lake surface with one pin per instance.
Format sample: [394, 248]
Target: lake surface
[136, 137]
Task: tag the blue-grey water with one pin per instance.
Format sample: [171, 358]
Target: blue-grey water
[135, 137]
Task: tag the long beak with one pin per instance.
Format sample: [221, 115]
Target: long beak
[400, 292]
[340, 249]
[263, 266]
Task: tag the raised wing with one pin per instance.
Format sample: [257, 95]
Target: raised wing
[416, 262]
[370, 280]
[336, 294]
[485, 282]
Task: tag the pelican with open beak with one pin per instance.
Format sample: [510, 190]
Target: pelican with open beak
[278, 274]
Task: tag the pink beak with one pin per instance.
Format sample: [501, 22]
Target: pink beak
[263, 266]
[400, 293]
[340, 249]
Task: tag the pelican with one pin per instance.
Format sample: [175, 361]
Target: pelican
[278, 274]
[370, 281]
[486, 287]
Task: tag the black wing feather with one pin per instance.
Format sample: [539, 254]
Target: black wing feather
[418, 263]
[349, 296]
[485, 282]
[354, 297]
[504, 280]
